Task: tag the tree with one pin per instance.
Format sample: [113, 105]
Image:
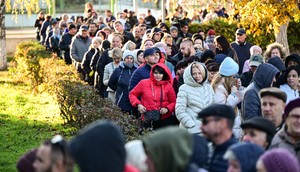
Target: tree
[19, 7]
[261, 16]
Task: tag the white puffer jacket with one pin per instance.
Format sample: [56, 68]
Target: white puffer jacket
[191, 99]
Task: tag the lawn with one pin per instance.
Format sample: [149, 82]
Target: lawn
[26, 120]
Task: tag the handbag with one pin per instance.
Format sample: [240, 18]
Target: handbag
[153, 115]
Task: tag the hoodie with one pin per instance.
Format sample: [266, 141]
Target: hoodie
[170, 149]
[247, 155]
[262, 78]
[99, 147]
[192, 97]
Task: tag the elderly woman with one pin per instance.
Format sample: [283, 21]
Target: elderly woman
[275, 49]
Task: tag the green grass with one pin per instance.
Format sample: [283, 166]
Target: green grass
[26, 120]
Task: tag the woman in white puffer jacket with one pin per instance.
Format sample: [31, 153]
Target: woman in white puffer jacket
[193, 96]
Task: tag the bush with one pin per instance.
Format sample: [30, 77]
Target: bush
[78, 102]
[26, 59]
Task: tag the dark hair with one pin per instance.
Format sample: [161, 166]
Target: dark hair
[192, 58]
[161, 71]
[181, 64]
[289, 69]
[213, 66]
[223, 42]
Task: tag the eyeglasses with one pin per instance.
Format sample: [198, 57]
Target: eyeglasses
[207, 121]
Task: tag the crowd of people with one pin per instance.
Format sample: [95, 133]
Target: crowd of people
[214, 105]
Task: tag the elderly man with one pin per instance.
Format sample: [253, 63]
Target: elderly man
[288, 137]
[53, 156]
[241, 47]
[272, 105]
[258, 130]
[217, 124]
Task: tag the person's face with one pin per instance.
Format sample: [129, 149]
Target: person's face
[198, 42]
[212, 127]
[96, 44]
[72, 31]
[158, 76]
[148, 44]
[240, 37]
[180, 71]
[260, 167]
[293, 79]
[142, 31]
[293, 122]
[140, 58]
[197, 75]
[118, 27]
[157, 36]
[117, 59]
[137, 32]
[116, 42]
[174, 33]
[122, 15]
[256, 52]
[84, 33]
[184, 29]
[128, 60]
[233, 166]
[107, 32]
[108, 14]
[275, 52]
[169, 41]
[92, 28]
[42, 162]
[272, 108]
[255, 136]
[185, 49]
[169, 51]
[152, 59]
[292, 63]
[211, 75]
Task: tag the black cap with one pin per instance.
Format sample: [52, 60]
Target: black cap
[83, 27]
[261, 124]
[219, 110]
[240, 31]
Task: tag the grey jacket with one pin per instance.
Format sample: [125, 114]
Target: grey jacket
[282, 140]
[79, 47]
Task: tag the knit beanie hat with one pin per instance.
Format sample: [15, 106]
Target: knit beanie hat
[280, 160]
[228, 67]
[277, 62]
[206, 55]
[219, 58]
[290, 106]
[25, 163]
[127, 53]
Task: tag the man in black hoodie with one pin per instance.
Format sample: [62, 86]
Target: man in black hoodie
[65, 42]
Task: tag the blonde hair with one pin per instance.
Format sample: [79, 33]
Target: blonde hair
[128, 44]
[115, 52]
[98, 39]
[227, 83]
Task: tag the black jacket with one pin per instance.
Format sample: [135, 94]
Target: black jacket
[64, 43]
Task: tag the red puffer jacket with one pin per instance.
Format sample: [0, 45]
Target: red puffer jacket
[150, 92]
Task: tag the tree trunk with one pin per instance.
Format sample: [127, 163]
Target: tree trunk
[281, 37]
[3, 60]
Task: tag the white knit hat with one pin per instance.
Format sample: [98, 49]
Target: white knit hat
[228, 67]
[127, 53]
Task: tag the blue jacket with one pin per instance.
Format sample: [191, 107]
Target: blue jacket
[217, 162]
[262, 78]
[139, 74]
[243, 53]
[119, 81]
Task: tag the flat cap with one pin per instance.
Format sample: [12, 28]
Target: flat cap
[219, 110]
[273, 91]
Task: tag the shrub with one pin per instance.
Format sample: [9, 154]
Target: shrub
[78, 102]
[26, 59]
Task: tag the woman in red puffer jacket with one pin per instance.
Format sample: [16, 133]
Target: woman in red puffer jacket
[156, 93]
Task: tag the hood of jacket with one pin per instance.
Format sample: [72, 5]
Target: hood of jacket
[264, 75]
[99, 147]
[247, 155]
[166, 69]
[135, 52]
[277, 62]
[188, 77]
[170, 149]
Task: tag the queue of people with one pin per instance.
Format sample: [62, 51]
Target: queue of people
[214, 105]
